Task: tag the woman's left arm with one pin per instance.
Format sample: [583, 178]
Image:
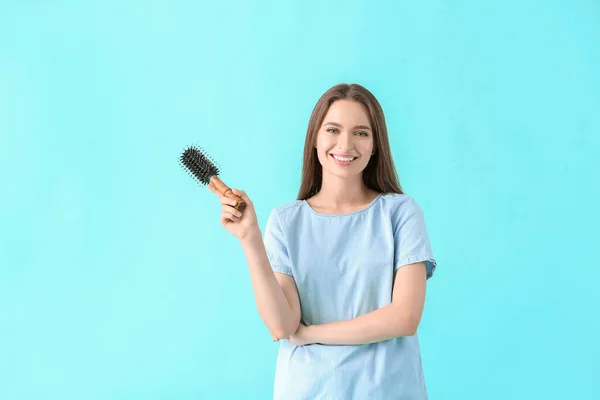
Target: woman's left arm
[399, 318]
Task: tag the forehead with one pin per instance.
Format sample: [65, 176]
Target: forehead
[348, 113]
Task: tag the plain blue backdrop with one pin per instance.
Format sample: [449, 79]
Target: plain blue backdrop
[116, 279]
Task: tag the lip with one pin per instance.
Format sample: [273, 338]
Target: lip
[342, 163]
[343, 155]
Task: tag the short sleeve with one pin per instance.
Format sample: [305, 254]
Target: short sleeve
[275, 245]
[411, 241]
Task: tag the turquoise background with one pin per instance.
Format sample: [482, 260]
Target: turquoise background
[116, 279]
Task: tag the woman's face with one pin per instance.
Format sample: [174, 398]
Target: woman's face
[345, 139]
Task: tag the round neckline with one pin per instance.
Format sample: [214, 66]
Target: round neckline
[362, 210]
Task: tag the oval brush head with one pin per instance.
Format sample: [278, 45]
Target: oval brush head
[198, 164]
[201, 167]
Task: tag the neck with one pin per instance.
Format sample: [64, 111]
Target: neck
[338, 191]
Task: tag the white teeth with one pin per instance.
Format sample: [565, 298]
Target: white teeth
[345, 159]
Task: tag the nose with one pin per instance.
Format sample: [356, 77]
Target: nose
[345, 141]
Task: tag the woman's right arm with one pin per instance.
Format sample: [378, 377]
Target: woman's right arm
[275, 293]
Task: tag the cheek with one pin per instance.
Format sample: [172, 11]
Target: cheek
[323, 144]
[321, 148]
[367, 148]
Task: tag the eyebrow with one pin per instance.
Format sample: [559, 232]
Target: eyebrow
[340, 125]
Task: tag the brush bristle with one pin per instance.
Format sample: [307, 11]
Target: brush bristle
[198, 164]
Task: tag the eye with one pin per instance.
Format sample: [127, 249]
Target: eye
[331, 130]
[362, 133]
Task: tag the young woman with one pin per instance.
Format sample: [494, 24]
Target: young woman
[340, 274]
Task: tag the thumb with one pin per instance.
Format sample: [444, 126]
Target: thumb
[240, 193]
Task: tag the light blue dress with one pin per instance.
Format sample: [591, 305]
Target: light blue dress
[344, 266]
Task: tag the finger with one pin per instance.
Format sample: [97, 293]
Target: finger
[240, 193]
[230, 210]
[225, 221]
[229, 201]
[231, 217]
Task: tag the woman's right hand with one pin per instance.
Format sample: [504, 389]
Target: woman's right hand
[239, 224]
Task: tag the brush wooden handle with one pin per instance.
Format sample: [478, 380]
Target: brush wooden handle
[227, 192]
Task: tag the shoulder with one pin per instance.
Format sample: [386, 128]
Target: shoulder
[285, 212]
[396, 201]
[400, 207]
[287, 208]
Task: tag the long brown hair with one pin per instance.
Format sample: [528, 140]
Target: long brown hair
[380, 173]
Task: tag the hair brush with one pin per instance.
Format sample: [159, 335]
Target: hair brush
[205, 171]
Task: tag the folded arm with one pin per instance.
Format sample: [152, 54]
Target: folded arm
[399, 318]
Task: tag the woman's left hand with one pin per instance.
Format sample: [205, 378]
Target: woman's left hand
[301, 336]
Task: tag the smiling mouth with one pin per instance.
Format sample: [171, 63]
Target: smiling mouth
[343, 159]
